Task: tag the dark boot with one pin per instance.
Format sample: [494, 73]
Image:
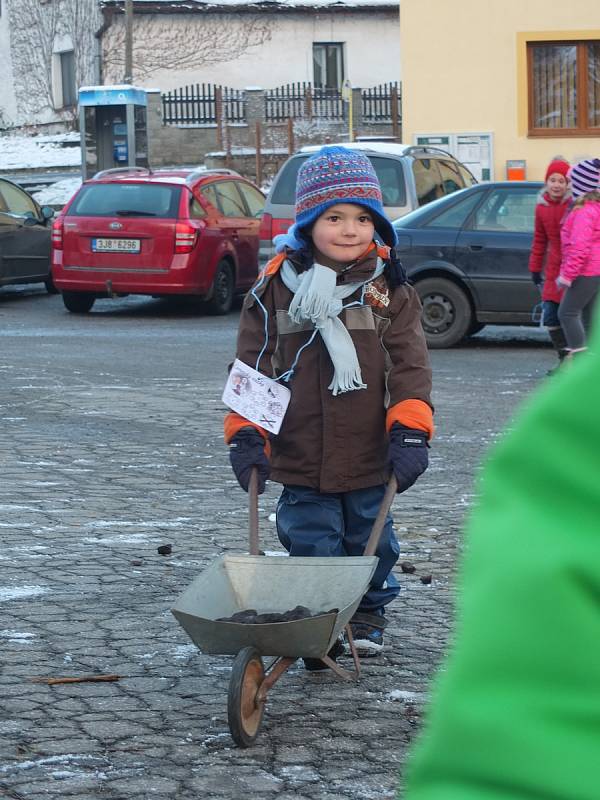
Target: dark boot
[559, 343]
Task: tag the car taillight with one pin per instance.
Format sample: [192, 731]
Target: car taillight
[56, 237]
[272, 226]
[185, 237]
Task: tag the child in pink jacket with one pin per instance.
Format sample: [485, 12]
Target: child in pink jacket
[580, 241]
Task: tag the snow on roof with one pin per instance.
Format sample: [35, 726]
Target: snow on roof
[264, 5]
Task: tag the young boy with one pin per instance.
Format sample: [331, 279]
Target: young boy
[551, 209]
[333, 316]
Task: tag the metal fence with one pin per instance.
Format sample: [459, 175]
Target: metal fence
[303, 100]
[203, 103]
[381, 103]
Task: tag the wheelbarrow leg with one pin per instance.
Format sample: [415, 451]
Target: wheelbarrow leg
[278, 667]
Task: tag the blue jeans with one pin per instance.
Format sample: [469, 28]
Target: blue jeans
[311, 523]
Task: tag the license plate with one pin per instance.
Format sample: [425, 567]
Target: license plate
[115, 245]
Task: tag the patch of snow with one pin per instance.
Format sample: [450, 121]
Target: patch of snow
[183, 651]
[272, 517]
[33, 152]
[16, 636]
[59, 193]
[402, 694]
[41, 762]
[18, 592]
[275, 552]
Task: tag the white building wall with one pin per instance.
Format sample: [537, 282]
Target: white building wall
[372, 51]
[8, 102]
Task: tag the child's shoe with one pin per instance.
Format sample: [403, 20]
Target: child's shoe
[316, 665]
[367, 632]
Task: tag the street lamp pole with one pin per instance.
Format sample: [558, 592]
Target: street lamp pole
[128, 77]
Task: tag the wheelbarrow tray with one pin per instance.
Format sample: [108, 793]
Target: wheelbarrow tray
[234, 583]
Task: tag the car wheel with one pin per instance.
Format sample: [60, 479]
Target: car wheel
[49, 284]
[447, 314]
[222, 290]
[78, 302]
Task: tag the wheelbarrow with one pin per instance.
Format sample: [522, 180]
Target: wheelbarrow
[233, 583]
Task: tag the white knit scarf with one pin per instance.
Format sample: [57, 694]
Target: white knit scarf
[319, 300]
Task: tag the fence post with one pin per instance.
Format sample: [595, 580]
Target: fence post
[357, 112]
[308, 101]
[290, 135]
[394, 112]
[219, 116]
[258, 152]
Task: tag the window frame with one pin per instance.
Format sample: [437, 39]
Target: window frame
[339, 48]
[68, 87]
[581, 90]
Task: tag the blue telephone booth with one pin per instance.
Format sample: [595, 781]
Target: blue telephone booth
[113, 128]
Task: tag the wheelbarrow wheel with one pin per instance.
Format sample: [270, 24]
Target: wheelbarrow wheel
[244, 711]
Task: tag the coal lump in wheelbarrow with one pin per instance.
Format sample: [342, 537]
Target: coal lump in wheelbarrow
[250, 616]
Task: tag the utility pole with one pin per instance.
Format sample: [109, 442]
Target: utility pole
[128, 77]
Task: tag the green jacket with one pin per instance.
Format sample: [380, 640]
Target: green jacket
[516, 714]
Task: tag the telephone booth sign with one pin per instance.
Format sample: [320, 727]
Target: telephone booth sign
[113, 128]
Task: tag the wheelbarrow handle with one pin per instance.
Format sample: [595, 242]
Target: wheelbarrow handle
[253, 511]
[386, 504]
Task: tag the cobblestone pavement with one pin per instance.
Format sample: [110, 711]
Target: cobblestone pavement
[110, 446]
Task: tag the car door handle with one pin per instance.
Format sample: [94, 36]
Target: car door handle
[475, 247]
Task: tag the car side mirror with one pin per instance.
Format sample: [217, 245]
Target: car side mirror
[47, 212]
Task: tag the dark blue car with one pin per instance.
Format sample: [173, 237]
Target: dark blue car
[467, 255]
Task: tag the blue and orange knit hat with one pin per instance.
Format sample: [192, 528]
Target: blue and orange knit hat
[339, 175]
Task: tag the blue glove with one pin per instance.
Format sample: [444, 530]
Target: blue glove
[247, 450]
[408, 454]
[537, 278]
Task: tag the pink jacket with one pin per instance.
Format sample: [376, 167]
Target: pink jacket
[580, 242]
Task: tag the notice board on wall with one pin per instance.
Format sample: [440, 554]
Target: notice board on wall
[474, 150]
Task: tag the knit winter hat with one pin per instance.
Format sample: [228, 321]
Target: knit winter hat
[558, 166]
[585, 177]
[339, 175]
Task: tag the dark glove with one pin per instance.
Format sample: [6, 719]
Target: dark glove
[536, 277]
[408, 454]
[247, 450]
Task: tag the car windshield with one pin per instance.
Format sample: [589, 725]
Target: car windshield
[415, 218]
[389, 172]
[126, 199]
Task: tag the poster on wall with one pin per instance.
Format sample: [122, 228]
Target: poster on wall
[474, 150]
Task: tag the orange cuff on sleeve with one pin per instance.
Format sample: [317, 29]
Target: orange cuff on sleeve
[235, 422]
[414, 414]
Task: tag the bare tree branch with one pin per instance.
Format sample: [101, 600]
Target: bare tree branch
[182, 42]
[36, 30]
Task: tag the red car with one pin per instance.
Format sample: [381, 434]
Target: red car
[163, 232]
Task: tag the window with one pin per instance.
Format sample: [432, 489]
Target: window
[504, 210]
[451, 178]
[564, 88]
[196, 210]
[428, 181]
[209, 193]
[126, 199]
[15, 201]
[391, 178]
[67, 76]
[230, 201]
[328, 65]
[254, 199]
[456, 216]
